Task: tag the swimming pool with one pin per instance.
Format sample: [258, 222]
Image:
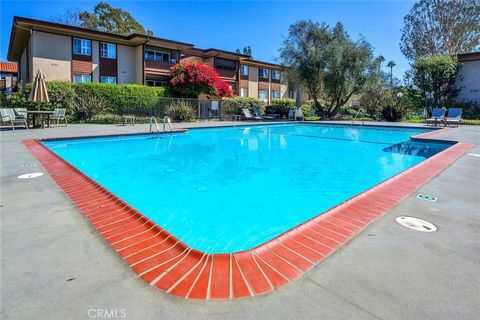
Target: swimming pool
[222, 190]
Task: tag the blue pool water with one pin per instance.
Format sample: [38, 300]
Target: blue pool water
[228, 189]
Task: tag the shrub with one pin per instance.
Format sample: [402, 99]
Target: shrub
[123, 98]
[89, 106]
[393, 113]
[236, 104]
[190, 79]
[281, 106]
[60, 94]
[180, 111]
[308, 109]
[312, 118]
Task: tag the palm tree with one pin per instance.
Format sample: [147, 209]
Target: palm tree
[390, 65]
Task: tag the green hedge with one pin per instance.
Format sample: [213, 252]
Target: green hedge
[236, 104]
[118, 99]
[281, 107]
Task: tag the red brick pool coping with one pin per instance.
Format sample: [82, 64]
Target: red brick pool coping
[165, 262]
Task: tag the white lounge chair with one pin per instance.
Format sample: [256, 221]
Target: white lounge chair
[258, 113]
[454, 116]
[248, 115]
[8, 116]
[58, 115]
[438, 114]
[299, 115]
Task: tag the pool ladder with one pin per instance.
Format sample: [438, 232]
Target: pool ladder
[363, 121]
[166, 121]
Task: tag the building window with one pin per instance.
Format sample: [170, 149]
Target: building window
[275, 75]
[78, 78]
[263, 73]
[154, 83]
[243, 92]
[106, 79]
[2, 76]
[244, 70]
[14, 78]
[157, 56]
[276, 94]
[82, 46]
[263, 95]
[108, 50]
[225, 64]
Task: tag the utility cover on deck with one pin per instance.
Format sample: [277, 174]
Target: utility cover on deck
[416, 224]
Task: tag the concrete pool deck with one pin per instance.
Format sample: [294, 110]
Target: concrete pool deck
[385, 272]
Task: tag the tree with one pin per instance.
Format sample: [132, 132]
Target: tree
[435, 77]
[71, 18]
[302, 55]
[190, 79]
[246, 50]
[106, 18]
[349, 66]
[435, 27]
[390, 65]
[327, 63]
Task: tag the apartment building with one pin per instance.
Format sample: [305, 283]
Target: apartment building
[68, 53]
[8, 77]
[468, 80]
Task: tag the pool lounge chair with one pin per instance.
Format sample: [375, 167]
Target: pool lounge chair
[258, 113]
[248, 115]
[59, 115]
[299, 115]
[438, 114]
[454, 116]
[291, 114]
[8, 116]
[20, 113]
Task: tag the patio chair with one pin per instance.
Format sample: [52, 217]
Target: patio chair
[20, 113]
[299, 115]
[438, 114]
[8, 116]
[454, 116]
[291, 114]
[248, 115]
[258, 113]
[58, 115]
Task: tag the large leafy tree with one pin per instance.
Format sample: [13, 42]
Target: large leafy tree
[327, 63]
[302, 55]
[190, 79]
[441, 27]
[349, 65]
[435, 77]
[106, 18]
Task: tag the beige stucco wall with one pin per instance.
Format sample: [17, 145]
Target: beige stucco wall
[253, 82]
[95, 61]
[469, 82]
[126, 60]
[139, 74]
[52, 53]
[23, 67]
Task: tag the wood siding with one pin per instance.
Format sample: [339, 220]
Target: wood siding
[81, 67]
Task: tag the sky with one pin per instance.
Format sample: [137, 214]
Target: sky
[229, 25]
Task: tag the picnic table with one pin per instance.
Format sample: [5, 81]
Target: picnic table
[44, 115]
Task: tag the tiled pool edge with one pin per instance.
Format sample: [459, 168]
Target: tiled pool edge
[165, 262]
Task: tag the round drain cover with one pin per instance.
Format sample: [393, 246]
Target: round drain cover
[30, 175]
[201, 189]
[170, 170]
[416, 224]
